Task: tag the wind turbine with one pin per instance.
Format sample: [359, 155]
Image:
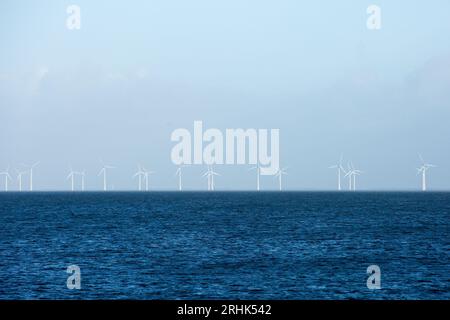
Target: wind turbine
[82, 174]
[31, 173]
[7, 176]
[339, 170]
[146, 176]
[71, 176]
[210, 175]
[423, 170]
[258, 172]
[355, 173]
[351, 174]
[140, 173]
[178, 172]
[279, 174]
[19, 178]
[103, 171]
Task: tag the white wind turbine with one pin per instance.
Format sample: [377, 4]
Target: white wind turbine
[178, 173]
[423, 170]
[351, 174]
[147, 174]
[103, 171]
[140, 174]
[71, 176]
[339, 170]
[7, 177]
[258, 172]
[279, 174]
[83, 175]
[355, 173]
[210, 175]
[19, 178]
[31, 173]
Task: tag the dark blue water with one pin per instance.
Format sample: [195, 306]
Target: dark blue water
[242, 245]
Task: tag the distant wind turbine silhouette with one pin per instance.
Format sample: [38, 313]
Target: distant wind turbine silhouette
[31, 167]
[19, 178]
[7, 177]
[103, 171]
[71, 176]
[339, 170]
[351, 174]
[83, 175]
[178, 173]
[210, 176]
[279, 174]
[147, 174]
[140, 174]
[258, 172]
[423, 170]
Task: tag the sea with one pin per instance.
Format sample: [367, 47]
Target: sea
[224, 245]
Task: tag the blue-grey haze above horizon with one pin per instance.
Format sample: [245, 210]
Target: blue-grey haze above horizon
[137, 70]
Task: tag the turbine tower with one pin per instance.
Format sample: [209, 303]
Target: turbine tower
[258, 172]
[210, 175]
[355, 173]
[351, 174]
[31, 173]
[147, 173]
[7, 177]
[19, 178]
[140, 173]
[178, 173]
[71, 176]
[103, 171]
[83, 175]
[279, 174]
[423, 170]
[339, 170]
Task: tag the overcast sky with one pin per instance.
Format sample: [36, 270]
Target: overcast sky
[137, 70]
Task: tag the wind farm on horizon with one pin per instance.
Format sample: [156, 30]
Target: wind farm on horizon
[76, 179]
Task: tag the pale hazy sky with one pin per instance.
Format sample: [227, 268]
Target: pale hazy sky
[137, 70]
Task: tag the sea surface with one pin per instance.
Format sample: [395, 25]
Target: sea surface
[225, 245]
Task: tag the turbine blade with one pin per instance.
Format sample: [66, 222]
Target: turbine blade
[421, 158]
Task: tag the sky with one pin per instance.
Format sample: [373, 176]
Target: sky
[115, 89]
